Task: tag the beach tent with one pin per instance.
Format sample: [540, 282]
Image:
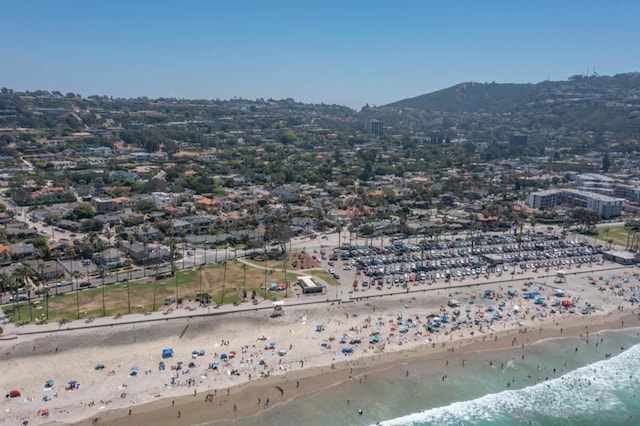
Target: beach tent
[272, 344]
[347, 350]
[99, 366]
[14, 393]
[224, 356]
[133, 372]
[167, 353]
[73, 384]
[48, 384]
[320, 327]
[567, 303]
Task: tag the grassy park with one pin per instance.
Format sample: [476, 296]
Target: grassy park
[221, 283]
[618, 235]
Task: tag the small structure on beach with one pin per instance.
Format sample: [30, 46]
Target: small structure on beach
[277, 308]
[309, 285]
[167, 352]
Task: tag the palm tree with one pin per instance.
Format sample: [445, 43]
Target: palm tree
[265, 272]
[13, 285]
[224, 280]
[126, 282]
[183, 235]
[19, 276]
[76, 275]
[22, 278]
[172, 244]
[244, 281]
[155, 282]
[29, 275]
[101, 272]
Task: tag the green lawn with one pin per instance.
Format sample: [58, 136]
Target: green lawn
[139, 296]
[618, 235]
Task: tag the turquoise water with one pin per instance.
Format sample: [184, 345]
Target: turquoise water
[508, 387]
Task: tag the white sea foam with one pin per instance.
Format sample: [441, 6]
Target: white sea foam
[595, 388]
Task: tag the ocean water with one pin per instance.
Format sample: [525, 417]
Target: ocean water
[568, 381]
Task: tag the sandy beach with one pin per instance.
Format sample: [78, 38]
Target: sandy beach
[303, 360]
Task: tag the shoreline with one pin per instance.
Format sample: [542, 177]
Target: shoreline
[194, 410]
[109, 395]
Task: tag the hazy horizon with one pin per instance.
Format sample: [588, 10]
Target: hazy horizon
[347, 53]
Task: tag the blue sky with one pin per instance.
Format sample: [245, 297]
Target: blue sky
[345, 52]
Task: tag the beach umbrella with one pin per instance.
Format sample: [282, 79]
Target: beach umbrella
[272, 344]
[224, 356]
[319, 327]
[49, 383]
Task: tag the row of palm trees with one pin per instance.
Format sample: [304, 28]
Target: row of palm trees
[24, 277]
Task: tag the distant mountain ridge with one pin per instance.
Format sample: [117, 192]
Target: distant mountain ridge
[503, 97]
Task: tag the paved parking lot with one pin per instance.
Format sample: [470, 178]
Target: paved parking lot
[403, 262]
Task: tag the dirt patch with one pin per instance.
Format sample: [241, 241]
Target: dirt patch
[302, 260]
